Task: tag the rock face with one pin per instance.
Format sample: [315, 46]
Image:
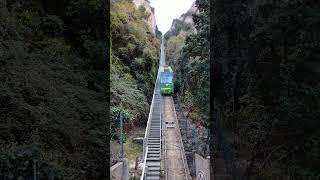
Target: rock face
[184, 23]
[151, 19]
[187, 17]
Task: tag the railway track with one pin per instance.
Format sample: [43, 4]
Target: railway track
[173, 157]
[153, 140]
[175, 162]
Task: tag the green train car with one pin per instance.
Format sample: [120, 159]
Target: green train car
[166, 80]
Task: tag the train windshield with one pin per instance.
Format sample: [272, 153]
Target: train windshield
[166, 78]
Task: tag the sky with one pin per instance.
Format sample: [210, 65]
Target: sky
[167, 10]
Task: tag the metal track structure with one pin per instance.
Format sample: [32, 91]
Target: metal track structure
[176, 166]
[152, 137]
[152, 142]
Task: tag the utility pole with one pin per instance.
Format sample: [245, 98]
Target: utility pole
[34, 169]
[38, 172]
[121, 134]
[194, 137]
[186, 120]
[186, 123]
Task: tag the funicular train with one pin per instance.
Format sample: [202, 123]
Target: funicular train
[166, 88]
[166, 80]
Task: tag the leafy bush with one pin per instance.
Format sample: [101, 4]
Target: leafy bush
[53, 59]
[19, 162]
[134, 60]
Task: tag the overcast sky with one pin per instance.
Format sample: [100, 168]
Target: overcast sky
[167, 10]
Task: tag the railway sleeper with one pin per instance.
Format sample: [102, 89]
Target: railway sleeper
[155, 130]
[155, 136]
[152, 143]
[154, 151]
[153, 156]
[157, 133]
[153, 164]
[153, 178]
[153, 139]
[153, 159]
[153, 173]
[154, 148]
[156, 168]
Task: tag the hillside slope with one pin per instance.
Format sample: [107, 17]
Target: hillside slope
[191, 70]
[150, 18]
[134, 64]
[52, 97]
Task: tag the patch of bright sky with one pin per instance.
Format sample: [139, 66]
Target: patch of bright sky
[167, 10]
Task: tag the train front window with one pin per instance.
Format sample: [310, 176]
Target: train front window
[166, 78]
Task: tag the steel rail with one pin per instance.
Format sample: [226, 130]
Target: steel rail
[144, 166]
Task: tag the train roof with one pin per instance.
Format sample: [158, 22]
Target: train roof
[165, 68]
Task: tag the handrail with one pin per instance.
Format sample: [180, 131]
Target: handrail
[184, 159]
[149, 117]
[144, 165]
[146, 134]
[160, 128]
[151, 107]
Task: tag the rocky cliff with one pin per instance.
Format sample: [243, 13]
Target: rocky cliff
[184, 23]
[151, 20]
[187, 17]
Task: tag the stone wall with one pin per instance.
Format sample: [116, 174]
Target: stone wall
[120, 171]
[202, 167]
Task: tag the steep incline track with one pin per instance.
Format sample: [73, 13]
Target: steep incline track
[176, 163]
[154, 140]
[174, 160]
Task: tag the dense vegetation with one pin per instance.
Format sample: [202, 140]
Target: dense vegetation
[187, 51]
[134, 61]
[52, 98]
[265, 83]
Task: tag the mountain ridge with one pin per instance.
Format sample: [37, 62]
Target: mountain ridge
[183, 24]
[149, 9]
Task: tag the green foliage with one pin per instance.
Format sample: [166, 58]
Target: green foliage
[134, 61]
[267, 95]
[53, 59]
[52, 25]
[57, 48]
[133, 45]
[173, 47]
[188, 53]
[265, 81]
[18, 162]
